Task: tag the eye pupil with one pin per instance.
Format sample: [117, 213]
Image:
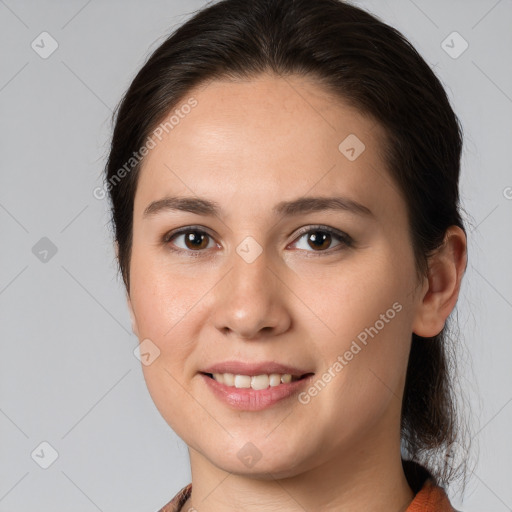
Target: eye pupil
[315, 237]
[195, 240]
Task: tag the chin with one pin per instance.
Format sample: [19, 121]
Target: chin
[248, 461]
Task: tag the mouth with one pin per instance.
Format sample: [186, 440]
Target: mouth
[255, 390]
[256, 382]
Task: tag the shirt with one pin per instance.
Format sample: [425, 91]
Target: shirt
[430, 498]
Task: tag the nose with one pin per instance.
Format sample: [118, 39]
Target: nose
[250, 302]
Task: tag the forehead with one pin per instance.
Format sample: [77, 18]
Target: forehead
[260, 141]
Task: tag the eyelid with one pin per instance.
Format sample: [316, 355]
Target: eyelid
[170, 234]
[322, 227]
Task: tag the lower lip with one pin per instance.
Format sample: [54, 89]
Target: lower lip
[248, 399]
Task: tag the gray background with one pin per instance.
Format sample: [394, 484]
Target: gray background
[68, 375]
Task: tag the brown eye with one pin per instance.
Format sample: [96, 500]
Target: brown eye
[195, 240]
[319, 239]
[190, 240]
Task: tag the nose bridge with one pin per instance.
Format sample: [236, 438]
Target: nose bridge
[250, 300]
[250, 277]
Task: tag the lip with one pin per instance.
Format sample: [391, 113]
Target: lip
[248, 399]
[252, 369]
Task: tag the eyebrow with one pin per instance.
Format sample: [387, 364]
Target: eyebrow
[298, 206]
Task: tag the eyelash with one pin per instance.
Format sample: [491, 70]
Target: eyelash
[346, 240]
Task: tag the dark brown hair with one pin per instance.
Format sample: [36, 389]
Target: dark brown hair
[370, 66]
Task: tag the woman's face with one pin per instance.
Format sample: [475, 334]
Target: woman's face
[262, 282]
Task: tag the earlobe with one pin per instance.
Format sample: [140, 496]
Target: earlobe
[135, 327]
[446, 269]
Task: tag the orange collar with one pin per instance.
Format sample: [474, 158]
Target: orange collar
[430, 498]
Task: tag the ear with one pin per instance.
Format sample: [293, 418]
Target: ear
[442, 286]
[135, 328]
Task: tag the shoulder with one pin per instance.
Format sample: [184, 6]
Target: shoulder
[429, 497]
[177, 502]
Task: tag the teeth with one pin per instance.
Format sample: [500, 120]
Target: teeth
[255, 382]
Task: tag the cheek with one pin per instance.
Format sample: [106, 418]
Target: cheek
[165, 315]
[162, 298]
[363, 293]
[365, 329]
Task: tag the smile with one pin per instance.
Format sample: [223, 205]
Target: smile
[256, 392]
[256, 382]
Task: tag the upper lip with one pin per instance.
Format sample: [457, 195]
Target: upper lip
[264, 367]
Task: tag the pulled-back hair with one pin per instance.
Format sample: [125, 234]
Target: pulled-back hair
[370, 66]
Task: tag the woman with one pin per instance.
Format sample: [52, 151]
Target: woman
[284, 185]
